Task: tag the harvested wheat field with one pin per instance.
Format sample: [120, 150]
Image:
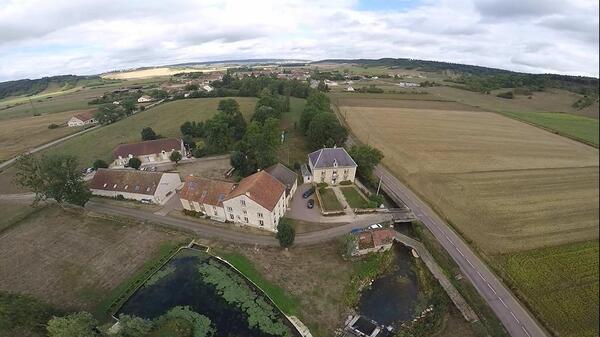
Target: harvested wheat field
[509, 188]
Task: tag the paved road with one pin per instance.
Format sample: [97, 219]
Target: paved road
[45, 146]
[517, 320]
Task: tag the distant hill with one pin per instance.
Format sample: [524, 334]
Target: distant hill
[32, 87]
[484, 79]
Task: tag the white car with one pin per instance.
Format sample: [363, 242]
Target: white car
[375, 226]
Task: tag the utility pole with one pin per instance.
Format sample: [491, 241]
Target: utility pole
[378, 186]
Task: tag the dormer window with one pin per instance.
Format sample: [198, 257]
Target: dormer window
[125, 186]
[105, 184]
[115, 186]
[335, 163]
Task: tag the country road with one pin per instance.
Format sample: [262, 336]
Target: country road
[517, 320]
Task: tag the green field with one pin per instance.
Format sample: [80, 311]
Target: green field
[561, 284]
[578, 127]
[164, 119]
[329, 201]
[353, 197]
[294, 147]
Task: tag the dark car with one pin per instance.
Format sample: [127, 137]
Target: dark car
[308, 193]
[310, 203]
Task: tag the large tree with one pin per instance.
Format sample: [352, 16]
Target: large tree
[53, 176]
[134, 162]
[175, 156]
[366, 157]
[229, 106]
[218, 133]
[109, 113]
[131, 326]
[258, 149]
[81, 324]
[148, 134]
[325, 130]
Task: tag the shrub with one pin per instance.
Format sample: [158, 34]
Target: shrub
[134, 163]
[53, 126]
[345, 182]
[99, 163]
[198, 152]
[376, 199]
[321, 185]
[507, 95]
[285, 234]
[193, 213]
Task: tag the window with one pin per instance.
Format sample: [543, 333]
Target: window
[105, 184]
[230, 209]
[115, 186]
[245, 212]
[261, 223]
[245, 219]
[126, 186]
[260, 215]
[243, 202]
[231, 216]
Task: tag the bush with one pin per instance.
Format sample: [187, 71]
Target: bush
[53, 126]
[134, 163]
[321, 185]
[193, 213]
[507, 95]
[285, 234]
[376, 199]
[345, 182]
[99, 163]
[198, 152]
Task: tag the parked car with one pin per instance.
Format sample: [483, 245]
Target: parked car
[146, 201]
[375, 226]
[310, 203]
[89, 170]
[356, 230]
[308, 193]
[153, 168]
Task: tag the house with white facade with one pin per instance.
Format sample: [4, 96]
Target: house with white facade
[151, 187]
[82, 119]
[145, 99]
[206, 196]
[150, 152]
[331, 166]
[259, 200]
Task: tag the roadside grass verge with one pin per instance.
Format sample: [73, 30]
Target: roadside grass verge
[489, 324]
[353, 197]
[559, 284]
[581, 128]
[287, 303]
[113, 301]
[329, 201]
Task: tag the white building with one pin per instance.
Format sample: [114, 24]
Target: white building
[207, 88]
[145, 99]
[259, 200]
[153, 187]
[331, 166]
[149, 152]
[82, 119]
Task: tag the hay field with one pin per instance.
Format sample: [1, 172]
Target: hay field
[20, 134]
[480, 168]
[164, 119]
[551, 100]
[509, 188]
[156, 72]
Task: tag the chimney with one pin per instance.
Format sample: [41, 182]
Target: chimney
[248, 194]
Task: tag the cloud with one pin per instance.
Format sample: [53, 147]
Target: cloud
[39, 38]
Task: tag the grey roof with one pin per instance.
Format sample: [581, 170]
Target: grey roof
[284, 175]
[331, 157]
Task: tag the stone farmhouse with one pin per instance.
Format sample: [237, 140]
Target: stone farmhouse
[149, 152]
[331, 165]
[82, 119]
[286, 176]
[152, 187]
[259, 200]
[373, 240]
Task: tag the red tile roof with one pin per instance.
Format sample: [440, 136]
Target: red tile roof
[375, 238]
[126, 180]
[206, 191]
[85, 116]
[147, 147]
[261, 187]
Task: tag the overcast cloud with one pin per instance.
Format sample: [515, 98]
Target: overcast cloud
[43, 38]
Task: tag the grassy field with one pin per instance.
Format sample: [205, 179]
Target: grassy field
[506, 186]
[20, 134]
[164, 119]
[73, 261]
[156, 72]
[561, 283]
[294, 148]
[329, 201]
[551, 100]
[578, 127]
[353, 197]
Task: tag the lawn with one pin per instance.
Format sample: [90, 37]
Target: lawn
[577, 127]
[280, 297]
[73, 260]
[561, 284]
[165, 119]
[329, 201]
[294, 147]
[353, 197]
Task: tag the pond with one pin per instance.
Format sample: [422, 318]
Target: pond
[213, 289]
[393, 296]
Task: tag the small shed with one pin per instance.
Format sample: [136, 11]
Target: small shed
[306, 174]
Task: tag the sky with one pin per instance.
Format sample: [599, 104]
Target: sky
[43, 38]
